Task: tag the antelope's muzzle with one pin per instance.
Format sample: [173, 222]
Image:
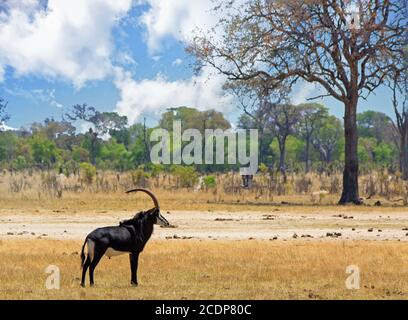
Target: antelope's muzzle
[161, 221]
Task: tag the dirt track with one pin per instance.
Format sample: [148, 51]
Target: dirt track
[276, 224]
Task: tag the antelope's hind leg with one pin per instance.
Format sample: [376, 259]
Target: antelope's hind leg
[99, 251]
[84, 269]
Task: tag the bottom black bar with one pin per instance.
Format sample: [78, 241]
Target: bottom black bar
[162, 310]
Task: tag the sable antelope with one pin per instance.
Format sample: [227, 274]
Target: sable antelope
[130, 237]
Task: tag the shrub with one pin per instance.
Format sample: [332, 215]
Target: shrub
[187, 176]
[20, 163]
[263, 168]
[140, 178]
[209, 182]
[88, 172]
[156, 169]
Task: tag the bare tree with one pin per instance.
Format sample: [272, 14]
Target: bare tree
[251, 96]
[346, 47]
[4, 116]
[399, 87]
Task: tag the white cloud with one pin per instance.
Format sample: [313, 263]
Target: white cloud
[177, 62]
[4, 127]
[125, 59]
[68, 39]
[156, 58]
[38, 96]
[156, 95]
[177, 19]
[303, 92]
[72, 40]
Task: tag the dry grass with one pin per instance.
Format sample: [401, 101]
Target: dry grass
[105, 204]
[211, 270]
[37, 190]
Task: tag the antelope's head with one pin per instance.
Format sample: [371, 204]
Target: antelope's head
[155, 212]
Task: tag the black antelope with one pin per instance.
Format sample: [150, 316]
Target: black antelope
[130, 237]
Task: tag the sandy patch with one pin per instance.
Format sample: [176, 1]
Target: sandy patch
[276, 224]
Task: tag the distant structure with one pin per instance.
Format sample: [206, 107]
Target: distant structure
[247, 181]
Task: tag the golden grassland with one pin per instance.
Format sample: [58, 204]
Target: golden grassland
[38, 190]
[180, 200]
[190, 269]
[203, 269]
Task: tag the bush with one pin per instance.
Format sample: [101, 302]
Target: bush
[140, 178]
[263, 168]
[209, 182]
[80, 154]
[156, 169]
[187, 176]
[20, 163]
[88, 172]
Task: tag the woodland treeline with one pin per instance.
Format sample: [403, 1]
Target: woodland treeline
[298, 138]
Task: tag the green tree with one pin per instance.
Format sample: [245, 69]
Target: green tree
[294, 148]
[8, 146]
[80, 154]
[282, 119]
[114, 155]
[62, 133]
[375, 124]
[327, 137]
[194, 119]
[45, 152]
[312, 116]
[385, 154]
[101, 123]
[366, 150]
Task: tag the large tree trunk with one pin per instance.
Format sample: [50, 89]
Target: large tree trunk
[350, 176]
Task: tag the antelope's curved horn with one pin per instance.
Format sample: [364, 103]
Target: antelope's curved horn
[155, 201]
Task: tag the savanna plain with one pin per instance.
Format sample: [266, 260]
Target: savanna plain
[220, 246]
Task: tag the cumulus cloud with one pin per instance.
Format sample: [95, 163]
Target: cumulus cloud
[154, 95]
[68, 39]
[72, 40]
[176, 19]
[305, 91]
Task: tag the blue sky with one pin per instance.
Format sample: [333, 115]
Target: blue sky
[117, 55]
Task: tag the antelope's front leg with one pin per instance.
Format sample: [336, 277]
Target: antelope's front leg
[134, 259]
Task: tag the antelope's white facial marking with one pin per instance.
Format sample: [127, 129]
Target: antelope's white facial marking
[113, 253]
[161, 221]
